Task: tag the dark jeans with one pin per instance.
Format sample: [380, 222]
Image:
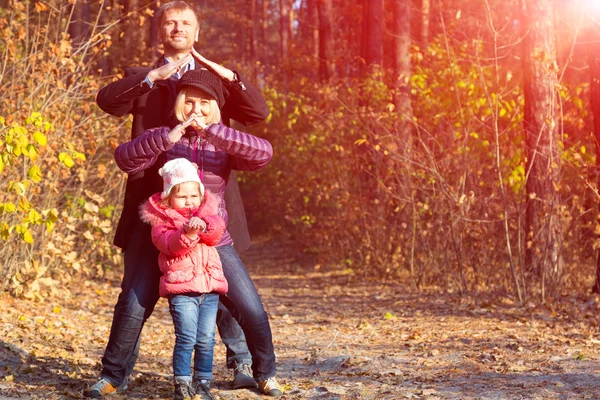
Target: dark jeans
[139, 294]
[244, 303]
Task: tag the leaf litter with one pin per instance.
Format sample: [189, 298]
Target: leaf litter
[336, 336]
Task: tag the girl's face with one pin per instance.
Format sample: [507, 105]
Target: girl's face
[186, 196]
[196, 102]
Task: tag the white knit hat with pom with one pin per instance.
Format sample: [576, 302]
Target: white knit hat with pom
[176, 171]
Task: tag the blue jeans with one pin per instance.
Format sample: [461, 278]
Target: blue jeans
[244, 303]
[139, 294]
[194, 316]
[233, 338]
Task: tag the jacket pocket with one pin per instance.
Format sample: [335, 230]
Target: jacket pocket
[180, 272]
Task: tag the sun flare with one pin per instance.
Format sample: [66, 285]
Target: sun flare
[592, 6]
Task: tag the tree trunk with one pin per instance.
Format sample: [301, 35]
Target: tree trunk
[284, 29]
[313, 27]
[401, 65]
[326, 68]
[594, 60]
[74, 28]
[263, 32]
[373, 33]
[153, 34]
[424, 25]
[252, 57]
[542, 218]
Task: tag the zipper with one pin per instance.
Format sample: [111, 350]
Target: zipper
[195, 156]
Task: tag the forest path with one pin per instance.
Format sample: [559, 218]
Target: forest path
[336, 337]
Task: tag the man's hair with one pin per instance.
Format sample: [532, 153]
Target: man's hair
[174, 5]
[213, 117]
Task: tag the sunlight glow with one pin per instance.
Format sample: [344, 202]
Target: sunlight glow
[592, 6]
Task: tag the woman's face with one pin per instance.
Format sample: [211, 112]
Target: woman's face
[196, 102]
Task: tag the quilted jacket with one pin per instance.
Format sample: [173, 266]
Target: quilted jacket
[221, 150]
[188, 265]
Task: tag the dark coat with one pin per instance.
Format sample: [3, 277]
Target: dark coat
[153, 108]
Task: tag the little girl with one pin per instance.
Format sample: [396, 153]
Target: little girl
[185, 227]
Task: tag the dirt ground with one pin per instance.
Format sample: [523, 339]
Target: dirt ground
[337, 336]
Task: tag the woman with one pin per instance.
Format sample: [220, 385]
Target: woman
[216, 149]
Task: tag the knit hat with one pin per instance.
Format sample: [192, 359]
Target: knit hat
[176, 171]
[204, 80]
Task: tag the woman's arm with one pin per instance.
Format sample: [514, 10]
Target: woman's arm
[246, 152]
[141, 153]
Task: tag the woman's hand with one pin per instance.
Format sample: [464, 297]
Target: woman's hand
[177, 132]
[200, 122]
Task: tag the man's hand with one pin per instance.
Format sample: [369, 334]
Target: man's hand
[169, 69]
[220, 70]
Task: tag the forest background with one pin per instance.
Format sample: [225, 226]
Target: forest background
[446, 144]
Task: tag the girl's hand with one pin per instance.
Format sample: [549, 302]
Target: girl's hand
[177, 132]
[194, 226]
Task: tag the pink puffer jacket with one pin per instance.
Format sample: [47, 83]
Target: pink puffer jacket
[188, 265]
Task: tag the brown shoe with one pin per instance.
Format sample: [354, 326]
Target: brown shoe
[270, 387]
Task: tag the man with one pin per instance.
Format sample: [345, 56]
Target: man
[149, 94]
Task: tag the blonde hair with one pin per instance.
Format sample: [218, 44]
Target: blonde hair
[214, 115]
[166, 202]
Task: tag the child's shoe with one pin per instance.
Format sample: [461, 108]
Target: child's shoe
[270, 387]
[183, 390]
[202, 390]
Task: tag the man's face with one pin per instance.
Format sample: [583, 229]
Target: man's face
[179, 30]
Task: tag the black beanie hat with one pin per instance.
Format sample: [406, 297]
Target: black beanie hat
[204, 80]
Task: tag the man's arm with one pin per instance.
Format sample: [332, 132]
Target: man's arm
[243, 102]
[117, 98]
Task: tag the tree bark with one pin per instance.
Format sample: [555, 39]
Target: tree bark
[313, 27]
[284, 29]
[401, 64]
[326, 67]
[542, 218]
[263, 32]
[373, 33]
[424, 23]
[252, 51]
[594, 61]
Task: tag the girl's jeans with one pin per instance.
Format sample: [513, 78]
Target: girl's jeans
[194, 316]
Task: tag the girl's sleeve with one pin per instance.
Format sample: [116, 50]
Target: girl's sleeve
[246, 152]
[215, 228]
[172, 242]
[141, 153]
